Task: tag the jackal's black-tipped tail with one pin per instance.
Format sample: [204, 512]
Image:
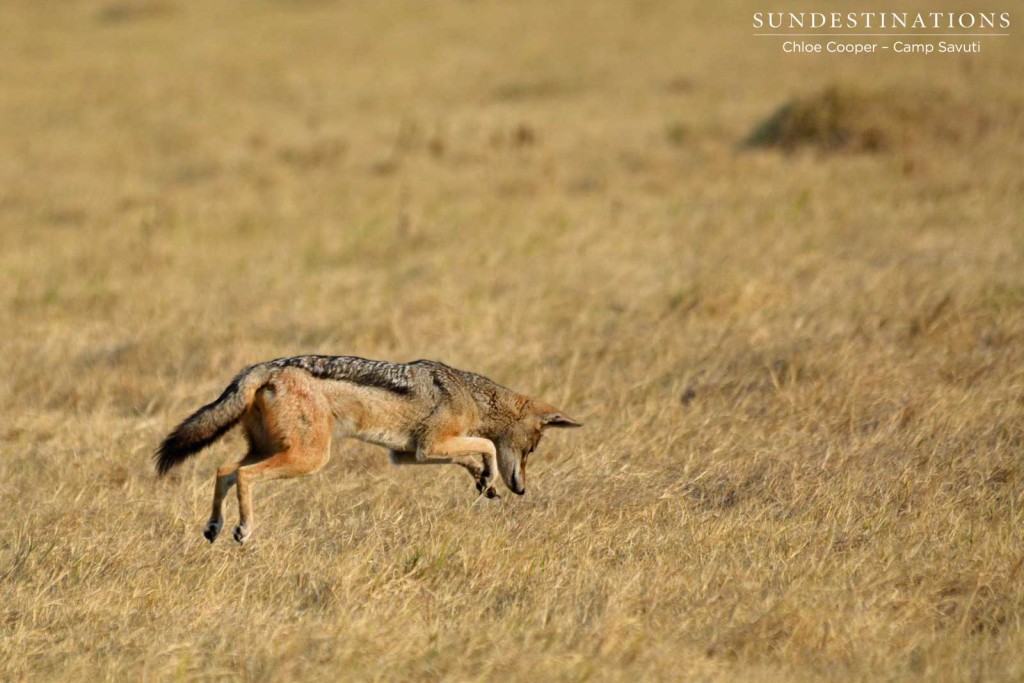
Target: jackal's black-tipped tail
[212, 421]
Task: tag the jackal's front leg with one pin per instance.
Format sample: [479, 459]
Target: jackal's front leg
[460, 448]
[469, 463]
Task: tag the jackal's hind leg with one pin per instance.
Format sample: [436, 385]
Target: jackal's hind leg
[292, 462]
[289, 432]
[226, 477]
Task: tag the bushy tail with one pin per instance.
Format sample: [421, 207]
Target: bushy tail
[212, 421]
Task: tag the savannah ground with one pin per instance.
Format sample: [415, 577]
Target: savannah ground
[801, 373]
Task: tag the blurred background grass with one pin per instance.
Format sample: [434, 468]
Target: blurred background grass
[800, 368]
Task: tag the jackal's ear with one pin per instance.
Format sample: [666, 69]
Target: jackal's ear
[558, 420]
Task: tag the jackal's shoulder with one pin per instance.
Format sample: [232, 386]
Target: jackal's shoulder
[441, 377]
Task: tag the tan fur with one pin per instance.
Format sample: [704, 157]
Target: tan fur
[423, 412]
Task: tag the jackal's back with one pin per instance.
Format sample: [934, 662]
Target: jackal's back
[394, 377]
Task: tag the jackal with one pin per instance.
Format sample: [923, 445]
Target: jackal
[424, 412]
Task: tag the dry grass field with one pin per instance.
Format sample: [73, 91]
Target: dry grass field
[800, 361]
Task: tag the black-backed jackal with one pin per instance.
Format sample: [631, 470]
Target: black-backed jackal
[425, 412]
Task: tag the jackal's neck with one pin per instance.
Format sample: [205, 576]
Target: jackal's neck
[499, 407]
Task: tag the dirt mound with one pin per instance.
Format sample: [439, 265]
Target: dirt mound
[847, 120]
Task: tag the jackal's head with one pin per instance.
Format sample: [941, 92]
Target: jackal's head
[521, 437]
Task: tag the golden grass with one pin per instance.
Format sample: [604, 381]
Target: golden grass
[802, 375]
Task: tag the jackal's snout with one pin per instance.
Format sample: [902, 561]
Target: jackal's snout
[517, 487]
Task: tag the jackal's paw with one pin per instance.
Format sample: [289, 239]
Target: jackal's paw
[242, 534]
[487, 490]
[212, 530]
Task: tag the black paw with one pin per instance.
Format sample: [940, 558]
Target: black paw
[211, 531]
[485, 489]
